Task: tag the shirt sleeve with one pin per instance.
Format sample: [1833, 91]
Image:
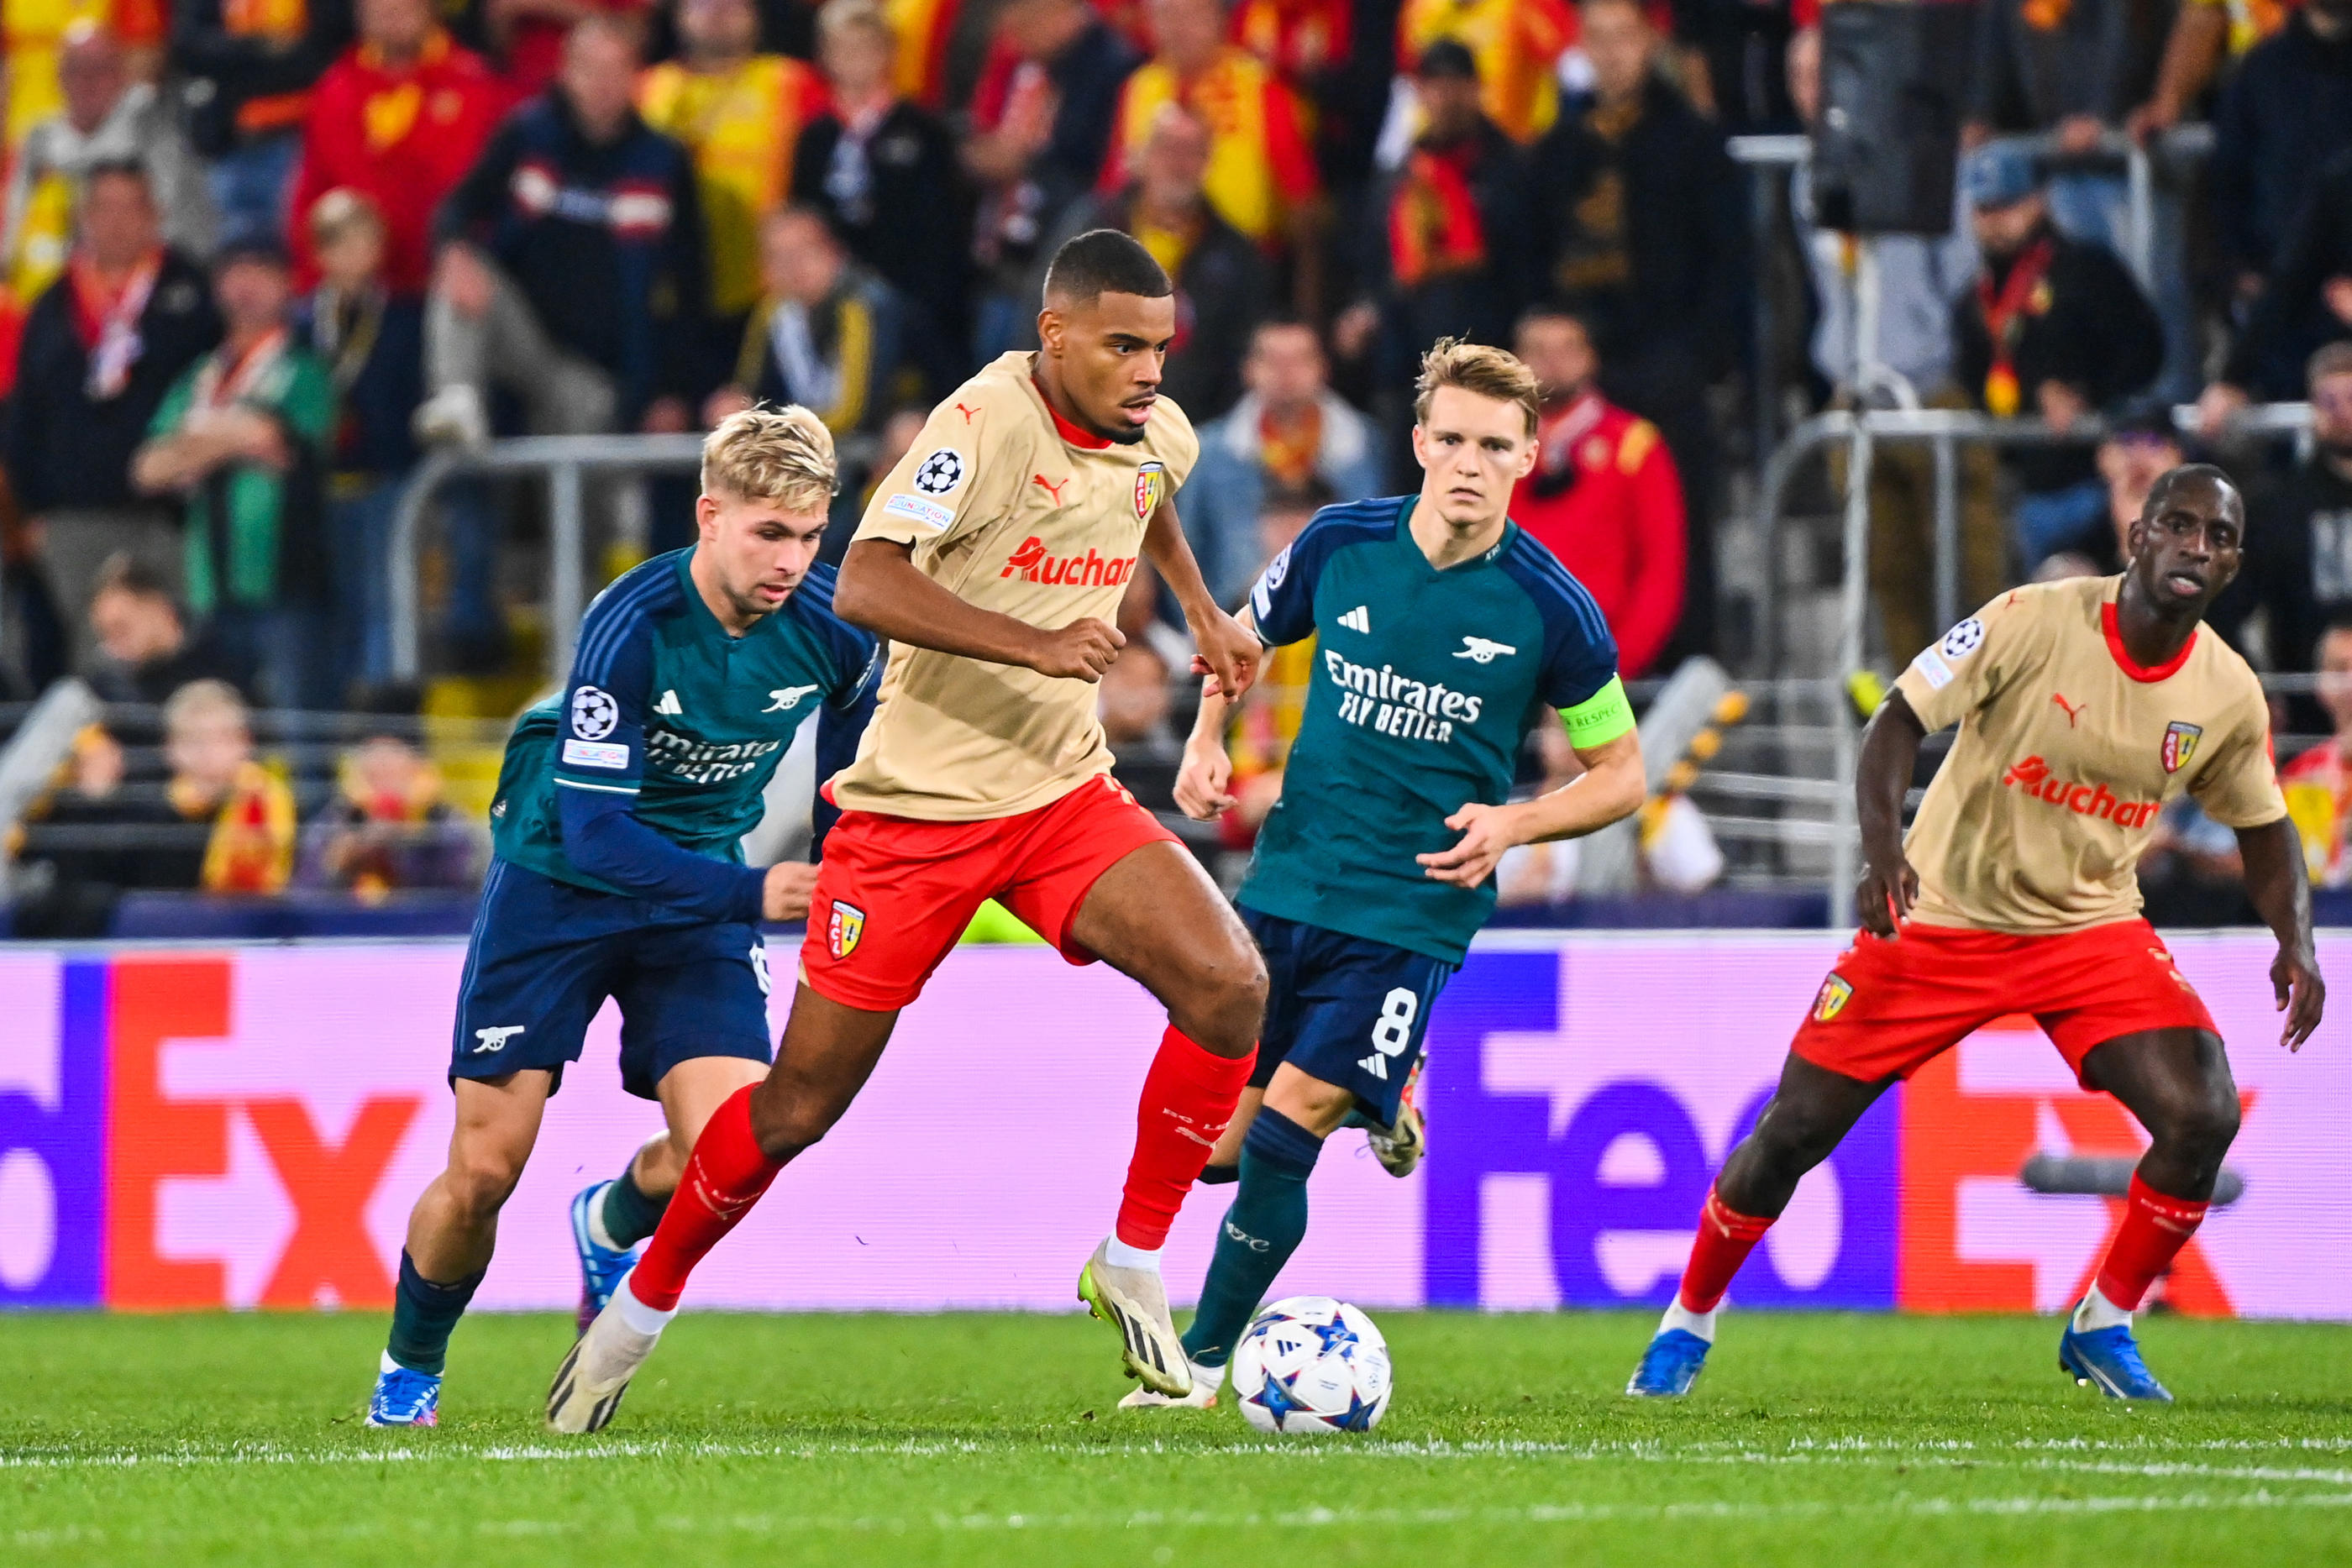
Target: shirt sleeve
[2239, 788]
[952, 480]
[600, 765]
[1579, 661]
[1974, 662]
[1283, 602]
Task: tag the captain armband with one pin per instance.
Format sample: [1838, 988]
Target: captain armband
[1601, 718]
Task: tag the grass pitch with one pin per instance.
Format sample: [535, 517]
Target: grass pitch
[986, 1440]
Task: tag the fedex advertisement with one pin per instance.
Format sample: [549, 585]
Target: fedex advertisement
[191, 1128]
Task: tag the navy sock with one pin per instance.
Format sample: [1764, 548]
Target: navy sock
[1215, 1175]
[423, 1314]
[1262, 1229]
[629, 1215]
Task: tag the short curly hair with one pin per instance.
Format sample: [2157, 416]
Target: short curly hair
[1478, 368]
[780, 455]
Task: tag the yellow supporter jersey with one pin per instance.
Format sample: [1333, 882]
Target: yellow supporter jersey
[2067, 751]
[1252, 159]
[741, 127]
[1517, 45]
[1007, 512]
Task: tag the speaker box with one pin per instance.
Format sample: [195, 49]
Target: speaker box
[1895, 83]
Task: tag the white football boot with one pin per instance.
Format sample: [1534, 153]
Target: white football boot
[1206, 1381]
[1135, 1302]
[588, 1384]
[1400, 1148]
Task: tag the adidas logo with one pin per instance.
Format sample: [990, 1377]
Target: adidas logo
[1359, 619]
[1376, 1064]
[668, 703]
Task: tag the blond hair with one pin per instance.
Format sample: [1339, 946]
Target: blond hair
[779, 455]
[340, 210]
[202, 700]
[1477, 367]
[838, 16]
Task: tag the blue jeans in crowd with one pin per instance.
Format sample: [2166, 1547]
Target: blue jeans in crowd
[251, 186]
[2049, 522]
[358, 526]
[285, 648]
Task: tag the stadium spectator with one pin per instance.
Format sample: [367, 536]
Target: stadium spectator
[2133, 452]
[526, 37]
[826, 333]
[2204, 34]
[107, 118]
[1920, 279]
[248, 74]
[1603, 495]
[389, 826]
[2284, 115]
[33, 37]
[33, 639]
[2298, 566]
[740, 115]
[924, 40]
[1223, 281]
[208, 745]
[400, 117]
[1443, 244]
[1289, 427]
[103, 346]
[1517, 44]
[372, 344]
[571, 268]
[244, 439]
[1041, 115]
[1261, 728]
[1639, 229]
[2054, 327]
[2305, 302]
[145, 651]
[884, 171]
[1261, 175]
[2318, 783]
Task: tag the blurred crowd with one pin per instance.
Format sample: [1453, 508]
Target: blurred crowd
[258, 256]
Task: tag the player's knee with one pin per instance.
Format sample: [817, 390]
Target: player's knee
[480, 1179]
[790, 1117]
[2200, 1126]
[1793, 1137]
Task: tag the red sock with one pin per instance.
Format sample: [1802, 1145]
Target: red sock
[2155, 1229]
[724, 1177]
[1188, 1097]
[1725, 1240]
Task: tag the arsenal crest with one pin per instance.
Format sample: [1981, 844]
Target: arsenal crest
[2180, 739]
[1834, 994]
[843, 930]
[1150, 490]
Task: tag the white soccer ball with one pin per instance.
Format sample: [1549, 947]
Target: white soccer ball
[1311, 1364]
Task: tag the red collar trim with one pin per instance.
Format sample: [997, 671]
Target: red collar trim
[1085, 440]
[2147, 674]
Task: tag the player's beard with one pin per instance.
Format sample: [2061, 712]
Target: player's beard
[1128, 435]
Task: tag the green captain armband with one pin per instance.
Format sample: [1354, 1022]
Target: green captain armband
[1601, 718]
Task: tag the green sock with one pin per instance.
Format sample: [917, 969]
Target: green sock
[628, 1214]
[1262, 1229]
[423, 1314]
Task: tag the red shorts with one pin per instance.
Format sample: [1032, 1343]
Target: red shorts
[1891, 1005]
[894, 893]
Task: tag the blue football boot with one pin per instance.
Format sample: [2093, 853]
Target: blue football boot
[1675, 1358]
[2109, 1359]
[601, 1266]
[405, 1398]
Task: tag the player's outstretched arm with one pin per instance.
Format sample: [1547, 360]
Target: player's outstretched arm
[1890, 751]
[880, 590]
[1613, 786]
[2281, 891]
[1204, 782]
[1230, 650]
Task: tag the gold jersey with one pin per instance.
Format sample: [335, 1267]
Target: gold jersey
[2066, 753]
[1012, 511]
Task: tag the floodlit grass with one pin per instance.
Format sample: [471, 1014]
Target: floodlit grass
[996, 1439]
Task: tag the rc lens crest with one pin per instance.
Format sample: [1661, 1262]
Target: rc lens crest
[846, 925]
[2180, 738]
[1834, 994]
[1150, 490]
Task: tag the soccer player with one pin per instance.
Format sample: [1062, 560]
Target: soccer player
[2083, 706]
[620, 808]
[1443, 633]
[992, 557]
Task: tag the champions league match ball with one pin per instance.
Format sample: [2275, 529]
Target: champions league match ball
[1310, 1365]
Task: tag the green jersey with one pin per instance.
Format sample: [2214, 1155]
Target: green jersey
[1425, 687]
[669, 719]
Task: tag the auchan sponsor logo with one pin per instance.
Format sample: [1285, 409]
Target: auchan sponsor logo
[2033, 775]
[1031, 563]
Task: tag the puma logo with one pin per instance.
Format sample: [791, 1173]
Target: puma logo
[967, 413]
[2074, 710]
[1051, 488]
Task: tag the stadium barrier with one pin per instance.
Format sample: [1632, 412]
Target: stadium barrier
[185, 1128]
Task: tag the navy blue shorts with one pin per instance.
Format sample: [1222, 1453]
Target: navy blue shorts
[1344, 1009]
[545, 955]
